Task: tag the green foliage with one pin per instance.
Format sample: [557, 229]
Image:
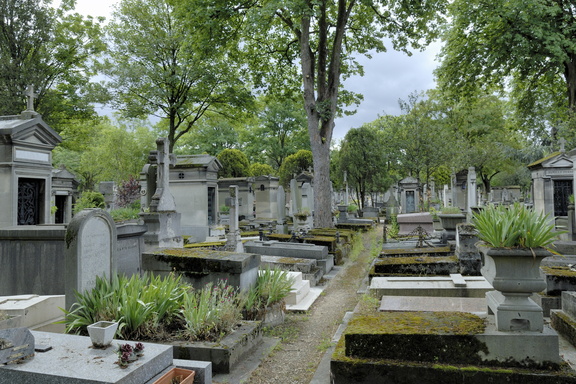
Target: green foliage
[257, 169]
[159, 67]
[509, 32]
[51, 48]
[272, 286]
[154, 307]
[211, 312]
[450, 210]
[89, 199]
[363, 159]
[280, 128]
[234, 163]
[514, 227]
[294, 164]
[127, 213]
[392, 227]
[352, 208]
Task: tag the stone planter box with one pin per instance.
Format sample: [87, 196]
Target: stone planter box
[226, 353]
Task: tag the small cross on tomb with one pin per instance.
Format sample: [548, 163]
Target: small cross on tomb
[31, 96]
[562, 142]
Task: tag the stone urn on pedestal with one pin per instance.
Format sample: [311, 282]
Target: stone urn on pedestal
[450, 217]
[513, 243]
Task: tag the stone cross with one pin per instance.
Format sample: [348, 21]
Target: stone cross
[562, 142]
[346, 197]
[163, 201]
[31, 96]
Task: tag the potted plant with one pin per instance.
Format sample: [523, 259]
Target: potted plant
[102, 333]
[513, 242]
[302, 215]
[449, 218]
[177, 376]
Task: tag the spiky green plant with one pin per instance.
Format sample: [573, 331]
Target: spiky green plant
[514, 227]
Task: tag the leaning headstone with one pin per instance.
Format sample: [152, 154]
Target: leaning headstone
[90, 251]
[16, 345]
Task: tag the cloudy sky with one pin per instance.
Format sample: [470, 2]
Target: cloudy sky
[387, 76]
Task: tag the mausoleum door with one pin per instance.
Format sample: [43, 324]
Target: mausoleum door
[211, 205]
[61, 209]
[30, 192]
[562, 189]
[410, 202]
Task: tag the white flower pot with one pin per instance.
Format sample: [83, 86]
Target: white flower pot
[102, 333]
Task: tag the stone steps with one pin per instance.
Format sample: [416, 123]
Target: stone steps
[302, 296]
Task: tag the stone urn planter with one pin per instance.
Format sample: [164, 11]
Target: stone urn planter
[515, 275]
[102, 333]
[449, 222]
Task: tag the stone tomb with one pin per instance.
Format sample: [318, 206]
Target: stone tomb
[90, 251]
[296, 250]
[408, 222]
[455, 285]
[200, 266]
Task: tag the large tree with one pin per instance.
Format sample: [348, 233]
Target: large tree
[527, 46]
[280, 131]
[53, 50]
[320, 38]
[158, 68]
[364, 161]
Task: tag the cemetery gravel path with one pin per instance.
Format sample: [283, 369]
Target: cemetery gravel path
[306, 337]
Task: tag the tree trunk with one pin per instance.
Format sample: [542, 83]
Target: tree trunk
[570, 77]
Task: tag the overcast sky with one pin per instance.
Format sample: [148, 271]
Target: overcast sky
[387, 76]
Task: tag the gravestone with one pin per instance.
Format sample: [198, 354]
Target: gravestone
[90, 251]
[16, 345]
[233, 239]
[281, 199]
[472, 200]
[308, 202]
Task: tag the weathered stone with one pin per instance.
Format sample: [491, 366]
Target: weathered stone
[16, 345]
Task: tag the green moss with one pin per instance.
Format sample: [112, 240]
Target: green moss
[404, 251]
[453, 323]
[563, 271]
[417, 260]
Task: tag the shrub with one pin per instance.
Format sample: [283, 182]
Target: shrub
[514, 227]
[157, 308]
[89, 199]
[128, 192]
[272, 286]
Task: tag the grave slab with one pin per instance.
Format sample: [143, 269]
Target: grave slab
[476, 286]
[16, 345]
[73, 361]
[34, 310]
[276, 248]
[433, 304]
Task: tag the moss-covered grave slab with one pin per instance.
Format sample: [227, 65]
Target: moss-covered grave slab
[559, 278]
[415, 266]
[438, 347]
[429, 251]
[226, 353]
[200, 266]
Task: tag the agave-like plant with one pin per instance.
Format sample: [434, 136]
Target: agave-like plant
[514, 227]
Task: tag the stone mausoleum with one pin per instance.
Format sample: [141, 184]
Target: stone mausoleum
[553, 183]
[26, 144]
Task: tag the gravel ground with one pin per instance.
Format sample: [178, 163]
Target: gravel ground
[307, 336]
